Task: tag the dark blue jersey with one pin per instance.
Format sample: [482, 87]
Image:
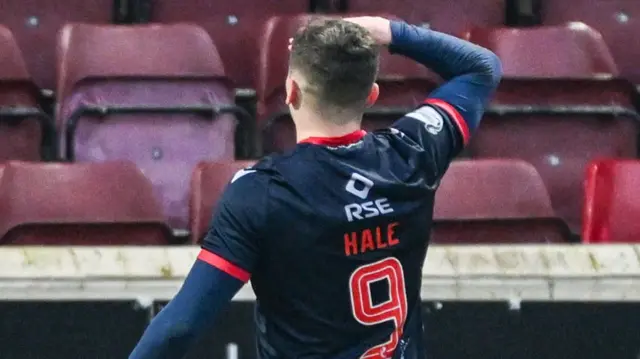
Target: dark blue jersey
[335, 235]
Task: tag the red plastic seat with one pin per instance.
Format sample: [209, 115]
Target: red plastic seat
[79, 204]
[234, 26]
[201, 10]
[583, 53]
[20, 132]
[175, 67]
[237, 41]
[558, 106]
[207, 184]
[35, 24]
[443, 15]
[495, 201]
[403, 84]
[617, 20]
[612, 202]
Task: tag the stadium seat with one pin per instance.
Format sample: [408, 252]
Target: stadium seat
[207, 184]
[35, 24]
[452, 17]
[152, 94]
[495, 201]
[236, 40]
[201, 10]
[583, 52]
[617, 20]
[79, 204]
[403, 85]
[22, 124]
[559, 105]
[612, 202]
[234, 26]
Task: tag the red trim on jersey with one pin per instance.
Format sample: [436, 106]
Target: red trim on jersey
[224, 265]
[455, 116]
[347, 139]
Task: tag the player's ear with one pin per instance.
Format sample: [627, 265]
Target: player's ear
[293, 92]
[373, 95]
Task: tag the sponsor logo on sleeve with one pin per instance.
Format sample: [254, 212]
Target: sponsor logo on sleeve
[240, 174]
[432, 119]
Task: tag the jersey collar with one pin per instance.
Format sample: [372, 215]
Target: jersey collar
[345, 140]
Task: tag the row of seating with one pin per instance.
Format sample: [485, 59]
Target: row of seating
[138, 92]
[235, 25]
[617, 20]
[483, 201]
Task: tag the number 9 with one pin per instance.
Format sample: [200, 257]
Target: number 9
[395, 308]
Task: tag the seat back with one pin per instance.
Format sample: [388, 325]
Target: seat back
[560, 147]
[494, 201]
[20, 136]
[403, 83]
[612, 202]
[443, 15]
[207, 185]
[236, 39]
[571, 50]
[617, 21]
[35, 24]
[171, 66]
[201, 10]
[78, 204]
[491, 188]
[558, 107]
[234, 26]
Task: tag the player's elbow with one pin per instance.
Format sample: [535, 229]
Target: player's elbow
[495, 68]
[491, 67]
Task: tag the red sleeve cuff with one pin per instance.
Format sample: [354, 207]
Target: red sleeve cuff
[224, 265]
[454, 115]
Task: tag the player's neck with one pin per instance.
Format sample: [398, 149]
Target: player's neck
[312, 126]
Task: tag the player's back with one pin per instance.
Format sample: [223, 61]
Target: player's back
[334, 235]
[342, 263]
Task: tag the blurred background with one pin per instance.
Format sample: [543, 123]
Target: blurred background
[121, 121]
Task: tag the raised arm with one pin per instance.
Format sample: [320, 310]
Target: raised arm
[444, 123]
[472, 72]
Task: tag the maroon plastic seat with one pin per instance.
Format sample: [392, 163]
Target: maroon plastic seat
[617, 20]
[559, 105]
[612, 202]
[35, 24]
[207, 184]
[234, 26]
[79, 204]
[443, 15]
[403, 84]
[495, 201]
[583, 52]
[170, 67]
[201, 10]
[237, 41]
[20, 132]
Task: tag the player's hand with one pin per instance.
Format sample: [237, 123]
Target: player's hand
[379, 27]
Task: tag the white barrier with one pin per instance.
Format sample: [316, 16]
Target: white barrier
[514, 273]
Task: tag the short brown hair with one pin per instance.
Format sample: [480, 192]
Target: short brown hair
[339, 60]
